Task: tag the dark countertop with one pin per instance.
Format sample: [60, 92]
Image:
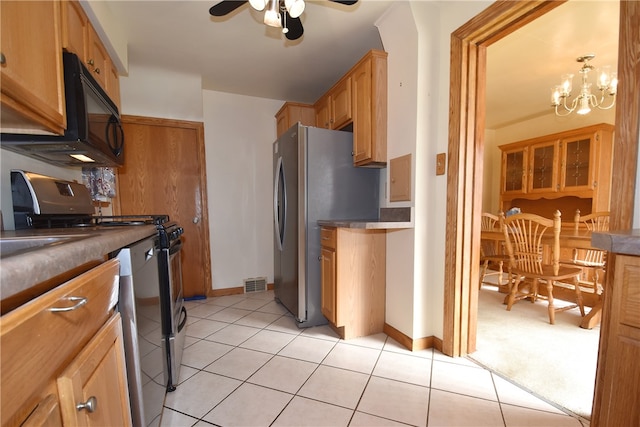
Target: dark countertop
[619, 242]
[22, 271]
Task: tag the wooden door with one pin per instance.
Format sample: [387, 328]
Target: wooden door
[164, 173]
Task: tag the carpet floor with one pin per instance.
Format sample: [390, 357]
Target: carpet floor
[555, 362]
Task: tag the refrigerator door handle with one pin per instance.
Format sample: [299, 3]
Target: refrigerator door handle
[279, 221]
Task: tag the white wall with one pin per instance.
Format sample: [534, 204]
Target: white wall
[239, 132]
[399, 38]
[153, 92]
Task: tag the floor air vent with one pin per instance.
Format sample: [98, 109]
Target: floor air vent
[257, 284]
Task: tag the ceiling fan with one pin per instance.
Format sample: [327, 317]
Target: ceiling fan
[279, 13]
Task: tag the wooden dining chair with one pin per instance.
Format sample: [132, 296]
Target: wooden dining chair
[492, 252]
[523, 237]
[593, 261]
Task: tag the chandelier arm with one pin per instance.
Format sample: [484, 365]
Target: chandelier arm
[560, 114]
[610, 106]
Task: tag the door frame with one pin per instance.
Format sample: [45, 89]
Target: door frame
[466, 144]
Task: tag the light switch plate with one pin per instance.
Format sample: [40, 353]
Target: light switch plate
[441, 163]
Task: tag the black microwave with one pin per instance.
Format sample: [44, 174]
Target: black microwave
[94, 135]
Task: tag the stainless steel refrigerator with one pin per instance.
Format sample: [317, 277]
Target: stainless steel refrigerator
[314, 179]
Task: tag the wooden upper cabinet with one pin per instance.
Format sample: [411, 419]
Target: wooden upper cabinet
[81, 38]
[323, 112]
[97, 60]
[31, 73]
[574, 164]
[369, 91]
[293, 112]
[75, 28]
[340, 101]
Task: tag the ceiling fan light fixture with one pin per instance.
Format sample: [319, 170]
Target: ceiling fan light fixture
[272, 15]
[258, 4]
[294, 7]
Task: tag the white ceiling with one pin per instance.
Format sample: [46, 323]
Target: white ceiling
[239, 54]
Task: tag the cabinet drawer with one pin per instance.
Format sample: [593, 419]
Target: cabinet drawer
[328, 237]
[41, 337]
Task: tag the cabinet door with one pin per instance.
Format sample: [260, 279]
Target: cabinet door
[328, 274]
[323, 113]
[97, 61]
[340, 100]
[362, 136]
[63, 320]
[74, 29]
[93, 389]
[543, 167]
[576, 172]
[31, 72]
[46, 414]
[514, 171]
[113, 84]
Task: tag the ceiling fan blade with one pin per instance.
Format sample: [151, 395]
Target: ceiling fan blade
[294, 25]
[347, 2]
[225, 7]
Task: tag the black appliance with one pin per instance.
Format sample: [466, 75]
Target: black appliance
[151, 296]
[94, 135]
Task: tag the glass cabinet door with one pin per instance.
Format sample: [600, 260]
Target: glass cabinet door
[514, 170]
[543, 167]
[576, 163]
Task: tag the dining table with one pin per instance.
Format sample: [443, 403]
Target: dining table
[570, 238]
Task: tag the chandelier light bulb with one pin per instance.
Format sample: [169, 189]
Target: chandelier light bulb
[258, 4]
[294, 7]
[567, 84]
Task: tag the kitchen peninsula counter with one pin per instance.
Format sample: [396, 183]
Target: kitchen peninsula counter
[366, 224]
[390, 218]
[30, 273]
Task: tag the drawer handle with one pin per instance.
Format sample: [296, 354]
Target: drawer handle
[81, 301]
[90, 405]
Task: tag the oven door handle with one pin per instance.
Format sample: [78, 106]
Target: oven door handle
[183, 322]
[175, 247]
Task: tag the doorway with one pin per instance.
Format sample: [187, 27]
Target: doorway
[466, 129]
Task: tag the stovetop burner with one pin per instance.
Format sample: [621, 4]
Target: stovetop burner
[65, 221]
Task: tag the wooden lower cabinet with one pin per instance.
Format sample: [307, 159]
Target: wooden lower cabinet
[68, 338]
[353, 280]
[93, 388]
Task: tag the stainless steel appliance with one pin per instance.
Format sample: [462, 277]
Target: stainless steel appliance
[314, 179]
[93, 125]
[151, 298]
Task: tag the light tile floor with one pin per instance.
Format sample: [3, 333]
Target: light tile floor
[246, 363]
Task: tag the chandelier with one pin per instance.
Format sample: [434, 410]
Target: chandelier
[276, 7]
[606, 80]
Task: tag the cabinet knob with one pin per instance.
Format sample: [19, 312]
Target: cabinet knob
[90, 405]
[97, 70]
[3, 59]
[195, 220]
[90, 62]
